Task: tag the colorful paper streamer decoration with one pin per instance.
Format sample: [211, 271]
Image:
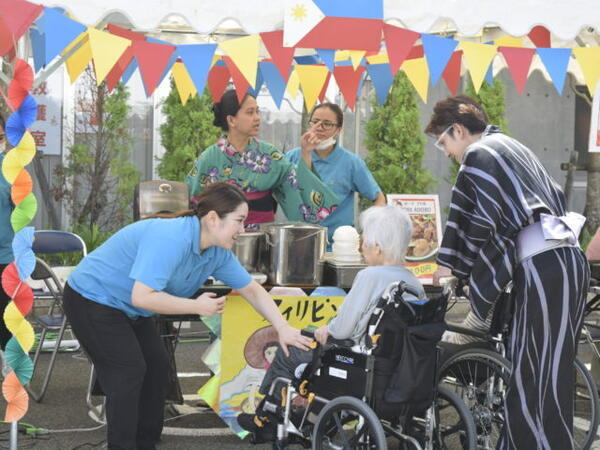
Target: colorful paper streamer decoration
[24, 113]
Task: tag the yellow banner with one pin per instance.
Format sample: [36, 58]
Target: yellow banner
[589, 61]
[248, 345]
[244, 54]
[478, 58]
[418, 73]
[311, 79]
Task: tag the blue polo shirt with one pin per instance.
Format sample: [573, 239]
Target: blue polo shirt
[344, 173]
[164, 254]
[6, 231]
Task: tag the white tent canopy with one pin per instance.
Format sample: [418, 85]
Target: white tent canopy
[565, 18]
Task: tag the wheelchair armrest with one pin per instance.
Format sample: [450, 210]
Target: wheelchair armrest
[330, 340]
[467, 331]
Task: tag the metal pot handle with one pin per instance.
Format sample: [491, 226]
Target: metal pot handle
[269, 243]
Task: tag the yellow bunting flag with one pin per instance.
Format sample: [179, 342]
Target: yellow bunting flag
[293, 85]
[417, 72]
[509, 41]
[356, 57]
[311, 79]
[478, 58]
[589, 61]
[342, 55]
[381, 58]
[183, 82]
[244, 53]
[79, 60]
[106, 50]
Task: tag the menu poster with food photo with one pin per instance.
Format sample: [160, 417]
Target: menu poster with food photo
[424, 210]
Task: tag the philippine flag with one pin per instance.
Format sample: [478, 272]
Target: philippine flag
[333, 24]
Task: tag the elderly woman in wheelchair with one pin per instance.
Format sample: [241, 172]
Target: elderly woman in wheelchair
[372, 370]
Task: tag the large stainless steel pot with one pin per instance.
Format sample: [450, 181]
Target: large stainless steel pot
[295, 251]
[249, 248]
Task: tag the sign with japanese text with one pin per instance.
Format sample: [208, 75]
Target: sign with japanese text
[424, 211]
[249, 343]
[46, 130]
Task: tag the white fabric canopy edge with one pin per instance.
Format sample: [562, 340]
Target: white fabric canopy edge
[564, 18]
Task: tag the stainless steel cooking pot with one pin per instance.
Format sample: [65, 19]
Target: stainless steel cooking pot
[249, 248]
[294, 253]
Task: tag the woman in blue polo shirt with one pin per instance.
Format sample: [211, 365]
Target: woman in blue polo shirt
[341, 170]
[154, 266]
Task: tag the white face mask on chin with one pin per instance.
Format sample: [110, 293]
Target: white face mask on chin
[2, 146]
[326, 143]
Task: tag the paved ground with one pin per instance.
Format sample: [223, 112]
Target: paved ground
[65, 415]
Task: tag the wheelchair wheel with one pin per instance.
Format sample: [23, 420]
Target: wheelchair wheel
[348, 423]
[479, 378]
[455, 427]
[585, 408]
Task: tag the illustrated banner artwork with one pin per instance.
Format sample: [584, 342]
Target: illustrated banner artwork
[248, 345]
[424, 211]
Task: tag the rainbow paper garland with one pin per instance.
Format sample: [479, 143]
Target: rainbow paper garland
[24, 109]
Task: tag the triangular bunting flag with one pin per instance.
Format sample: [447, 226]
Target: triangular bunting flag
[328, 57]
[183, 82]
[59, 32]
[398, 42]
[281, 56]
[293, 85]
[152, 58]
[79, 60]
[114, 76]
[438, 51]
[311, 80]
[17, 17]
[38, 48]
[356, 56]
[172, 59]
[589, 61]
[348, 80]
[556, 61]
[197, 59]
[239, 80]
[131, 68]
[518, 60]
[489, 75]
[381, 77]
[451, 73]
[274, 81]
[478, 57]
[323, 92]
[125, 33]
[259, 82]
[418, 73]
[218, 78]
[244, 53]
[540, 36]
[508, 41]
[106, 51]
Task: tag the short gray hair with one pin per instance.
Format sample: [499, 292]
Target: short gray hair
[390, 227]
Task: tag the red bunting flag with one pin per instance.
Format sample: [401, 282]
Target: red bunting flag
[540, 36]
[451, 73]
[416, 52]
[119, 68]
[125, 33]
[17, 16]
[399, 42]
[152, 59]
[218, 77]
[518, 60]
[348, 80]
[239, 80]
[281, 56]
[324, 88]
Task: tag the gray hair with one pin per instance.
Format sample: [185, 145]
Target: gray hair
[390, 227]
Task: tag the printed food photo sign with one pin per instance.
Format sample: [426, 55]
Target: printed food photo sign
[424, 211]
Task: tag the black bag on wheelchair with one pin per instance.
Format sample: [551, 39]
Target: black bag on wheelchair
[406, 356]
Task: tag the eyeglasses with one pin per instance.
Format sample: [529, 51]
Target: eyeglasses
[438, 142]
[324, 123]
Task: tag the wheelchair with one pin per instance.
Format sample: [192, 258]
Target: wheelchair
[356, 396]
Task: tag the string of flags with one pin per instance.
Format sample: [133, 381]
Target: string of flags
[24, 108]
[377, 51]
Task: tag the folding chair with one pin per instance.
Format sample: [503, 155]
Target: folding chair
[51, 242]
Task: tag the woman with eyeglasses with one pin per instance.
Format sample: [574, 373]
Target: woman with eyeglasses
[6, 237]
[259, 168]
[508, 222]
[344, 172]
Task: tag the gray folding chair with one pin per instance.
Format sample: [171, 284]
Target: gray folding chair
[54, 321]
